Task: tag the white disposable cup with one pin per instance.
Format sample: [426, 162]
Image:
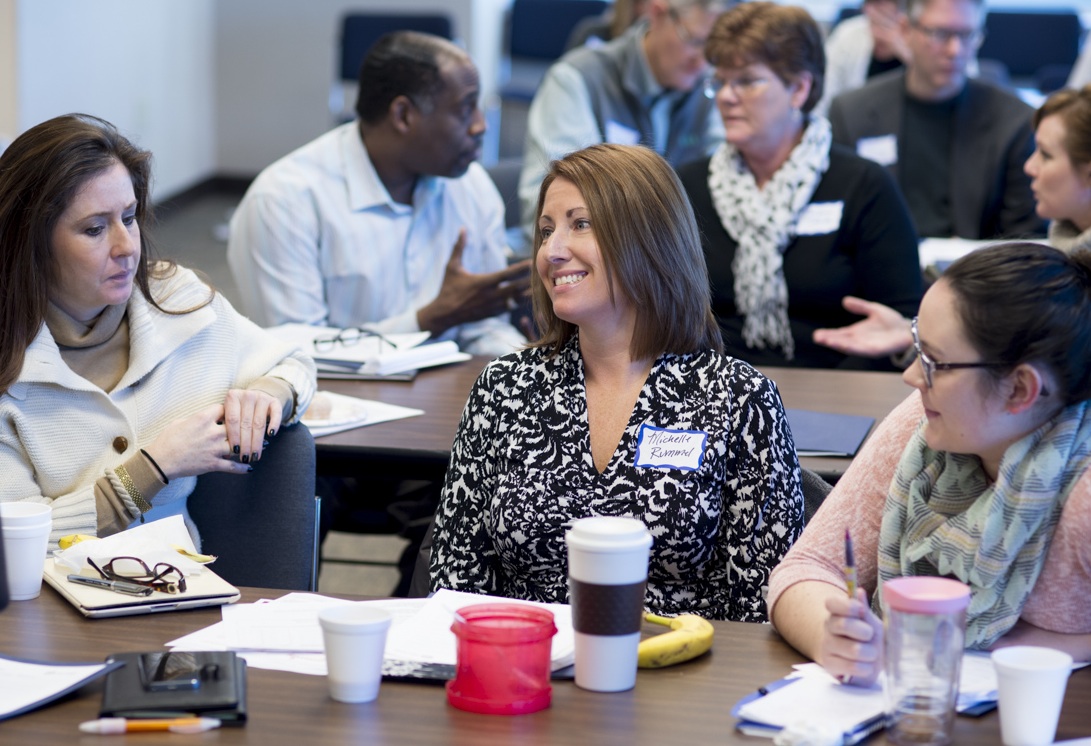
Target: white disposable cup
[355, 636]
[26, 528]
[1031, 682]
[607, 555]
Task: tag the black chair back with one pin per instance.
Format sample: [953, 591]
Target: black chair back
[360, 30]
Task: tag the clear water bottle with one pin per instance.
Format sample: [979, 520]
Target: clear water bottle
[925, 631]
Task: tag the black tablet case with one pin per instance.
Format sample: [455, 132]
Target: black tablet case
[221, 694]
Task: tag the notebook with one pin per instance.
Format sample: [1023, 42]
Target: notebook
[827, 433]
[206, 589]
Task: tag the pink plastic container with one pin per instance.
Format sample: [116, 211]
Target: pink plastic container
[503, 659]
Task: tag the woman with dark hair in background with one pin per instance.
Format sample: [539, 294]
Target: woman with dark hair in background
[121, 378]
[983, 474]
[626, 406]
[790, 222]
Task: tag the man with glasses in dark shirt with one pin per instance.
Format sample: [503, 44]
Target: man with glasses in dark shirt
[955, 145]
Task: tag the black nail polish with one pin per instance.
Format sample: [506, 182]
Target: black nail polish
[246, 459]
[249, 469]
[272, 433]
[264, 444]
[236, 450]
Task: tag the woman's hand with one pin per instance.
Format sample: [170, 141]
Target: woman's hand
[852, 642]
[883, 331]
[250, 416]
[196, 445]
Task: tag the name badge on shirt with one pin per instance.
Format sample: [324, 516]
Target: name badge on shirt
[619, 134]
[658, 447]
[819, 218]
[882, 149]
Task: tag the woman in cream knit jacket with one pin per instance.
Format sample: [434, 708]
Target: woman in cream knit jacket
[122, 379]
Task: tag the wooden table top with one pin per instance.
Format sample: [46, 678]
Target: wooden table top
[442, 393]
[686, 704]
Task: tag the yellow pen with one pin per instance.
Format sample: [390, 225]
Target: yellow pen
[850, 565]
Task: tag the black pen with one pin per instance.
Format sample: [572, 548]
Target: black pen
[117, 586]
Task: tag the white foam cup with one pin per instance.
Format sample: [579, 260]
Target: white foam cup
[355, 637]
[26, 528]
[607, 572]
[1031, 682]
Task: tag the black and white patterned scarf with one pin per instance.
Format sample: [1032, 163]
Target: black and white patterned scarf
[763, 222]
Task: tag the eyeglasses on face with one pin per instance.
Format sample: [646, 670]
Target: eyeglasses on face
[687, 37]
[740, 87]
[162, 577]
[941, 37]
[348, 338]
[930, 366]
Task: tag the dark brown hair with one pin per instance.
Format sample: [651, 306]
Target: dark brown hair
[647, 235]
[783, 37]
[1028, 303]
[41, 172]
[1074, 109]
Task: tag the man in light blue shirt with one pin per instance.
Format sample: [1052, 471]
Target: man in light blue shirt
[644, 88]
[386, 222]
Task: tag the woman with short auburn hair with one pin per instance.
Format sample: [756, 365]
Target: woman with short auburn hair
[790, 221]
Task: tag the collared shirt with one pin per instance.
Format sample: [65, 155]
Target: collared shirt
[610, 94]
[318, 240]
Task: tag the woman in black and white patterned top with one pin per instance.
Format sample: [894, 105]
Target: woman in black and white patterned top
[625, 407]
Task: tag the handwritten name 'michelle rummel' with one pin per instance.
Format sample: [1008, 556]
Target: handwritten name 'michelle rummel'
[658, 441]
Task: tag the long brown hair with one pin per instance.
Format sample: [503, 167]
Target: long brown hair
[645, 229]
[40, 174]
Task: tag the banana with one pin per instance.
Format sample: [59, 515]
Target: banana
[68, 540]
[690, 636]
[203, 559]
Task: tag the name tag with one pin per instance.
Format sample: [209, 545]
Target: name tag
[619, 134]
[882, 149]
[819, 218]
[658, 447]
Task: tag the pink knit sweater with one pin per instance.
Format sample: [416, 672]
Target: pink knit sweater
[1061, 599]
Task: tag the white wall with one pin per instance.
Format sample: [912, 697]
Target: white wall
[8, 78]
[276, 61]
[148, 66]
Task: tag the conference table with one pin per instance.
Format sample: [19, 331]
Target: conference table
[686, 704]
[420, 447]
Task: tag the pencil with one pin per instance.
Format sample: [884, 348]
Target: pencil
[850, 565]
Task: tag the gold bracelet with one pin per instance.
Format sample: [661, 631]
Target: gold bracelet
[143, 505]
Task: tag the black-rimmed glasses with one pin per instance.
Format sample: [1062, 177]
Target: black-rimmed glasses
[930, 366]
[347, 338]
[161, 577]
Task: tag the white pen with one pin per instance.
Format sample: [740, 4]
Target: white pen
[107, 726]
[117, 586]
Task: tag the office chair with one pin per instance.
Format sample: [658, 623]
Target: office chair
[537, 33]
[358, 32]
[262, 525]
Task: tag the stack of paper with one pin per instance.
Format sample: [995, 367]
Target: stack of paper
[367, 355]
[810, 696]
[284, 634]
[330, 413]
